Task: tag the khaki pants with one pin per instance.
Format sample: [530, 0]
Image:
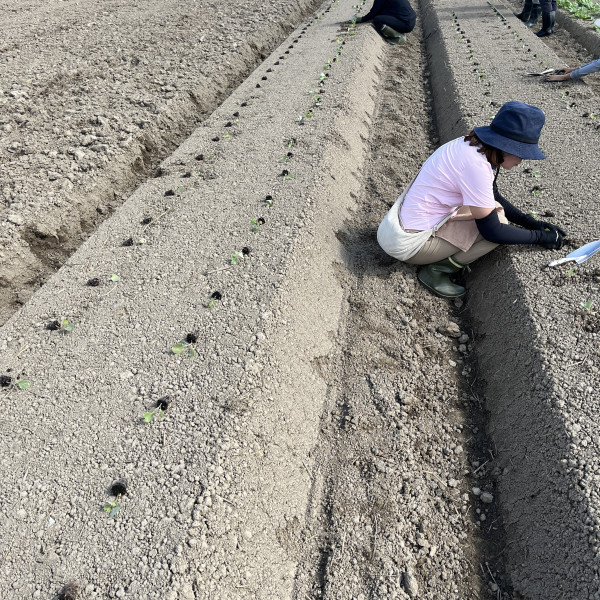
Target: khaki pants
[436, 249]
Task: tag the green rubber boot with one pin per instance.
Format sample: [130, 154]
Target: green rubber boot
[436, 278]
[391, 36]
[536, 11]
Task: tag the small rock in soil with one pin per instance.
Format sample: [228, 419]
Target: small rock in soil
[451, 329]
[487, 498]
[410, 584]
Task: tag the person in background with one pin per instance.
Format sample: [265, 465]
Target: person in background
[451, 214]
[530, 12]
[577, 72]
[392, 19]
[548, 17]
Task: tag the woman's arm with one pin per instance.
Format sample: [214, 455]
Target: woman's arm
[492, 230]
[372, 13]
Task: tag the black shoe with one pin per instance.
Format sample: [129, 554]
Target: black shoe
[525, 12]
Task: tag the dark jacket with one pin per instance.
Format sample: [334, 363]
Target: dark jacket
[399, 9]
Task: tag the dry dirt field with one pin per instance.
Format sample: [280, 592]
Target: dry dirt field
[242, 396]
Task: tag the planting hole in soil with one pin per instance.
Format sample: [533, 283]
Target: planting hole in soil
[119, 488]
[244, 104]
[93, 282]
[163, 403]
[246, 250]
[260, 221]
[192, 338]
[170, 193]
[69, 592]
[216, 138]
[269, 200]
[53, 325]
[146, 220]
[276, 63]
[5, 380]
[128, 242]
[200, 157]
[228, 124]
[264, 78]
[216, 295]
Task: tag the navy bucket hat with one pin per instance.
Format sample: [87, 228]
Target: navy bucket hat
[515, 129]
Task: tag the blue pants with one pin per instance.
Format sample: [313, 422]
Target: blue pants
[548, 5]
[400, 26]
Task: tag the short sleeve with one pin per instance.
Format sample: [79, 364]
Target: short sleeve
[476, 184]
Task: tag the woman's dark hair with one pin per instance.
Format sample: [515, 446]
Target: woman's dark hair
[495, 157]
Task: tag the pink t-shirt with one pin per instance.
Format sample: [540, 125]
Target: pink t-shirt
[454, 175]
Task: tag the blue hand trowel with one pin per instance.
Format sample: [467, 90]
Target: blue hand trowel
[580, 255]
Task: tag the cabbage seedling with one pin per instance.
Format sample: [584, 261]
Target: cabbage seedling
[112, 508]
[235, 258]
[587, 305]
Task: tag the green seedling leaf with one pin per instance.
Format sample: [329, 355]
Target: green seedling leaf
[536, 174]
[533, 213]
[66, 326]
[211, 303]
[179, 348]
[236, 257]
[571, 271]
[114, 511]
[115, 278]
[23, 384]
[191, 352]
[587, 305]
[149, 417]
[227, 135]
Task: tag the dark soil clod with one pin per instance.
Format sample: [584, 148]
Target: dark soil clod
[146, 220]
[163, 403]
[5, 380]
[192, 338]
[128, 242]
[260, 221]
[53, 325]
[69, 592]
[246, 250]
[119, 487]
[93, 282]
[216, 295]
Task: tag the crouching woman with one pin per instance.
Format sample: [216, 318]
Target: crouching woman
[452, 213]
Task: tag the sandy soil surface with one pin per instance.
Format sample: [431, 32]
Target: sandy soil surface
[330, 430]
[92, 96]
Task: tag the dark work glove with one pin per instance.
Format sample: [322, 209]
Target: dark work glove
[551, 239]
[546, 225]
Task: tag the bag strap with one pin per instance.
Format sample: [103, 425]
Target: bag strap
[437, 225]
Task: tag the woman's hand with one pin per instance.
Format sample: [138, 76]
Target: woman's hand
[548, 226]
[550, 239]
